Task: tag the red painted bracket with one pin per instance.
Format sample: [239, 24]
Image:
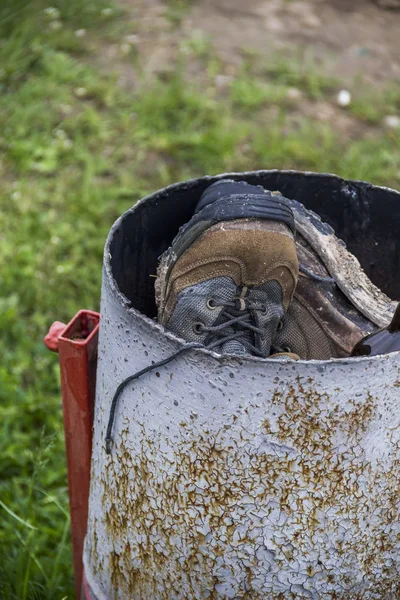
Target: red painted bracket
[76, 344]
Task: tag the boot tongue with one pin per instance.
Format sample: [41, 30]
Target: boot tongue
[269, 296]
[234, 347]
[237, 346]
[245, 337]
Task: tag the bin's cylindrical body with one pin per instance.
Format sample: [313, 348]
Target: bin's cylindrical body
[243, 478]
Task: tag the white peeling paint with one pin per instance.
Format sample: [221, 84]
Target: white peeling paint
[242, 479]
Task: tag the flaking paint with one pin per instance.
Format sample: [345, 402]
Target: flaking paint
[242, 478]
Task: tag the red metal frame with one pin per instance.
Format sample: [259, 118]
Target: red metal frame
[76, 344]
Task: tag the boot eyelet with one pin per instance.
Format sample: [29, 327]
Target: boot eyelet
[198, 328]
[286, 349]
[211, 304]
[280, 325]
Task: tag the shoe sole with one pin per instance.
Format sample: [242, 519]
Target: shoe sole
[228, 208]
[343, 266]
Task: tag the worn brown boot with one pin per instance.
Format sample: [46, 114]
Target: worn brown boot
[229, 277]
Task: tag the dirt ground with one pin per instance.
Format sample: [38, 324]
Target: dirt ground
[345, 39]
[349, 37]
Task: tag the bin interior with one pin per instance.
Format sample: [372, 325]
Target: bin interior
[367, 218]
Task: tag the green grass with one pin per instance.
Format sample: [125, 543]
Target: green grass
[373, 105]
[303, 73]
[250, 93]
[175, 10]
[77, 151]
[286, 70]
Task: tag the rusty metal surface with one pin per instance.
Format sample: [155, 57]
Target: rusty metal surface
[236, 478]
[243, 479]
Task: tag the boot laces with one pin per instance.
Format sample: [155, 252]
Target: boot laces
[236, 325]
[237, 321]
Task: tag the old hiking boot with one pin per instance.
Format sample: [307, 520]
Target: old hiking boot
[228, 279]
[226, 267]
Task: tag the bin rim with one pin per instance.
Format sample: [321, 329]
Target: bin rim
[177, 341]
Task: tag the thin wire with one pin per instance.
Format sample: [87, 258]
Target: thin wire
[136, 375]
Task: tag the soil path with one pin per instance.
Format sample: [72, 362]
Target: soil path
[350, 37]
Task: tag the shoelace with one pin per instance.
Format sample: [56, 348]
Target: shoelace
[136, 375]
[240, 323]
[219, 330]
[244, 321]
[314, 276]
[241, 320]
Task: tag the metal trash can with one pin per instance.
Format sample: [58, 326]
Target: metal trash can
[243, 477]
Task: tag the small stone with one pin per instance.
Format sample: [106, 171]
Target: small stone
[222, 80]
[59, 133]
[274, 24]
[312, 21]
[55, 25]
[343, 98]
[79, 33]
[80, 92]
[131, 39]
[294, 93]
[66, 109]
[392, 121]
[125, 48]
[52, 12]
